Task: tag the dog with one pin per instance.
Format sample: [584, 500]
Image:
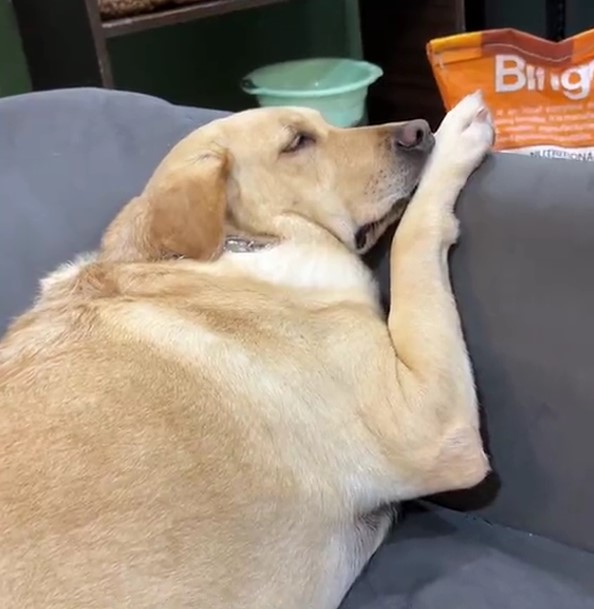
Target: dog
[211, 411]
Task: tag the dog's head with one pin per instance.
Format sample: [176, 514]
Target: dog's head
[277, 173]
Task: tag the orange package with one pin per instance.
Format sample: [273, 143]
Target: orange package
[541, 93]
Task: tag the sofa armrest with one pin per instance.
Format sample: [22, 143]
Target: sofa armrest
[523, 275]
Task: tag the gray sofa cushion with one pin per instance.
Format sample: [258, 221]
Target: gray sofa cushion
[525, 276]
[68, 161]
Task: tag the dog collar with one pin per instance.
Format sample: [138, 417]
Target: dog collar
[237, 244]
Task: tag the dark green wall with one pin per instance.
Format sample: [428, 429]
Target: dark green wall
[201, 63]
[533, 16]
[14, 77]
[579, 16]
[527, 15]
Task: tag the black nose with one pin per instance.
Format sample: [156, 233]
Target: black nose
[414, 135]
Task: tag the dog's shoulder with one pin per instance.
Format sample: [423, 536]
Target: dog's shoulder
[157, 300]
[59, 307]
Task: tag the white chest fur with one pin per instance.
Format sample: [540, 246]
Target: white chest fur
[308, 267]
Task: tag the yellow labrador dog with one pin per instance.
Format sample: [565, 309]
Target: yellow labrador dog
[212, 412]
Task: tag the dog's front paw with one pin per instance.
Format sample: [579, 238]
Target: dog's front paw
[464, 138]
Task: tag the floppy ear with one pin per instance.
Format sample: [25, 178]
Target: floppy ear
[180, 213]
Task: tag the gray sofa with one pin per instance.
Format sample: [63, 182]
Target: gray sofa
[524, 279]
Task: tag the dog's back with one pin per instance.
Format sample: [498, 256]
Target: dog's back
[154, 442]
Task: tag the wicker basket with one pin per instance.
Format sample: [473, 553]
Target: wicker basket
[111, 9]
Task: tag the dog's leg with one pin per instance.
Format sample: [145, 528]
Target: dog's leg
[371, 530]
[358, 544]
[439, 419]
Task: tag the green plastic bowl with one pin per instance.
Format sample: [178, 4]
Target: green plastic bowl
[335, 87]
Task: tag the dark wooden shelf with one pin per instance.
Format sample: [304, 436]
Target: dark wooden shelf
[180, 14]
[66, 41]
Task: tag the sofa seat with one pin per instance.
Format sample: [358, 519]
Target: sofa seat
[442, 559]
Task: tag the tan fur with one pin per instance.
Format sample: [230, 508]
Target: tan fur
[186, 428]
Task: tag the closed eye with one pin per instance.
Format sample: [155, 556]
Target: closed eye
[299, 142]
